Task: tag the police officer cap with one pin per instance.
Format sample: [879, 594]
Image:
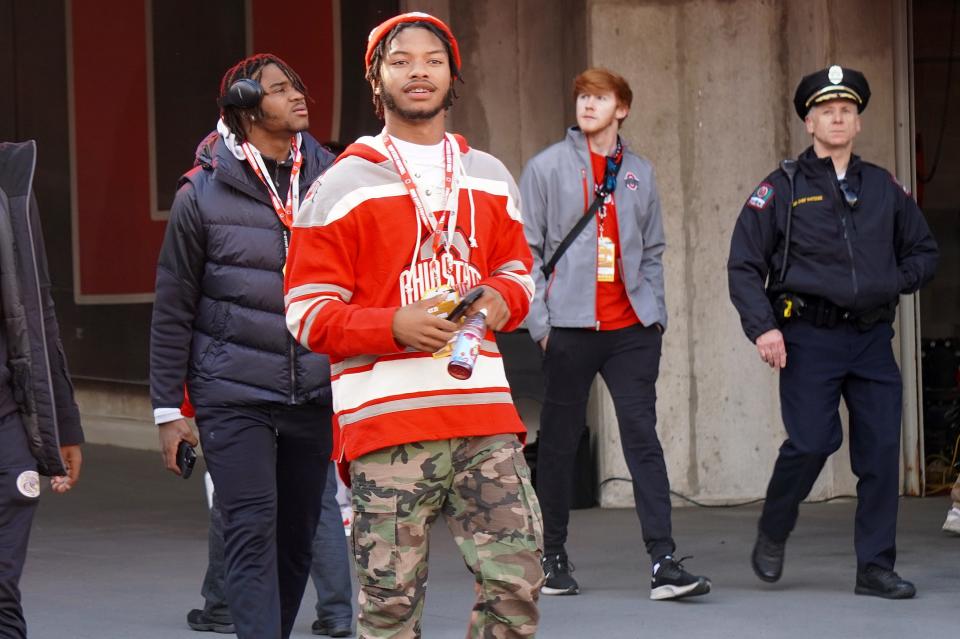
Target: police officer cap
[833, 83]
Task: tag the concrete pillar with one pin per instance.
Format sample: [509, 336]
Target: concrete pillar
[713, 84]
[519, 58]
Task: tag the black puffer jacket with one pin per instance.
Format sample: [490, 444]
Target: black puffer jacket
[218, 319]
[36, 368]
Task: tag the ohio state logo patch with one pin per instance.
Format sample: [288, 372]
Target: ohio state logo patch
[761, 197]
[631, 181]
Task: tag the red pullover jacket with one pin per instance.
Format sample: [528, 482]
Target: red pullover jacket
[358, 252]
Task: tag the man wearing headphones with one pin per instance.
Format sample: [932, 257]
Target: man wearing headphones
[262, 401]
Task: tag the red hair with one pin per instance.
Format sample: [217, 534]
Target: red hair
[600, 80]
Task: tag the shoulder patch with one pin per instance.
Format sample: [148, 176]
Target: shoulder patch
[761, 197]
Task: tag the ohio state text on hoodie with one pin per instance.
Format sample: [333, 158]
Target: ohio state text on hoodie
[359, 251]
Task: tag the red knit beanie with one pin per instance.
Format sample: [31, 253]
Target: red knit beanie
[381, 31]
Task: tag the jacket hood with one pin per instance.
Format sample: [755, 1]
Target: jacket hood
[205, 151]
[371, 148]
[212, 154]
[17, 161]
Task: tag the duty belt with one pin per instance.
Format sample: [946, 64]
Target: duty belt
[823, 313]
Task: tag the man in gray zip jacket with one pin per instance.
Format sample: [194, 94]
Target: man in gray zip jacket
[40, 430]
[599, 308]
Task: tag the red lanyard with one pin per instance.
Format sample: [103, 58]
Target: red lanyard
[436, 226]
[289, 210]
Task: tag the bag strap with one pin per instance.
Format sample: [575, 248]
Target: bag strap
[572, 235]
[606, 187]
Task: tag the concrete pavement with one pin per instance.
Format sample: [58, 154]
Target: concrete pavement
[122, 557]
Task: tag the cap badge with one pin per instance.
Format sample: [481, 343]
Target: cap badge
[835, 74]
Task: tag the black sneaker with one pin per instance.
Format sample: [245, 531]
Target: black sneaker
[767, 558]
[332, 630]
[200, 621]
[559, 581]
[671, 581]
[880, 582]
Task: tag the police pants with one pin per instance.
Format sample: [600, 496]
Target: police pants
[329, 567]
[481, 487]
[628, 359]
[19, 495]
[268, 463]
[823, 365]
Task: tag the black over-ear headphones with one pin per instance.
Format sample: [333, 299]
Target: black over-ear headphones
[245, 93]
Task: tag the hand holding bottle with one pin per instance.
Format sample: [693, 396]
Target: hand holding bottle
[466, 346]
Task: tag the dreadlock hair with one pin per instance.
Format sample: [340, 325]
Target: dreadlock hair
[252, 67]
[376, 60]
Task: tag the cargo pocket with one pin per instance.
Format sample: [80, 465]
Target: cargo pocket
[528, 499]
[375, 536]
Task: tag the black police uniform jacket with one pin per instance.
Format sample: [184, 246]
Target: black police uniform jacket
[36, 367]
[218, 319]
[857, 257]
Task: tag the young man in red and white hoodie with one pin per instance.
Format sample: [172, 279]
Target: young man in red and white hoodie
[400, 216]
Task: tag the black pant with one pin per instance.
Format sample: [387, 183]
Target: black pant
[629, 361]
[269, 466]
[823, 365]
[19, 495]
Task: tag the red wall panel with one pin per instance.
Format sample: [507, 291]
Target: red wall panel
[117, 242]
[307, 45]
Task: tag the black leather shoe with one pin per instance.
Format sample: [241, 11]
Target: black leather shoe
[335, 630]
[880, 582]
[767, 558]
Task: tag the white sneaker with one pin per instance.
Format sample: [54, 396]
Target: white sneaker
[952, 524]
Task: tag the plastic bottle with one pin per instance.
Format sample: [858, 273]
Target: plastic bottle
[466, 347]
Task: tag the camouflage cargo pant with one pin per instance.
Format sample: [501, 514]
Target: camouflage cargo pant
[481, 486]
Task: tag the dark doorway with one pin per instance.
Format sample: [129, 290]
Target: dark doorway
[936, 64]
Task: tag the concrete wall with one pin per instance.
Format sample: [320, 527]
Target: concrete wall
[713, 83]
[713, 111]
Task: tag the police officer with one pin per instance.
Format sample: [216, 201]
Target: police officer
[40, 430]
[820, 253]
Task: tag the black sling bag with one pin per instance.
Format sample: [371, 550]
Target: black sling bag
[608, 186]
[572, 235]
